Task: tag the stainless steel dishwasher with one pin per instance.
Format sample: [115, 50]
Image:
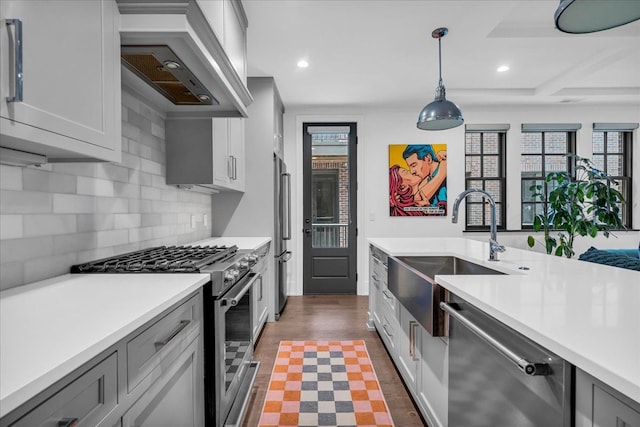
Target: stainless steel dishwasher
[498, 377]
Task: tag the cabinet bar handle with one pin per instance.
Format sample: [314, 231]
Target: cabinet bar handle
[17, 52]
[413, 334]
[235, 168]
[529, 368]
[386, 294]
[384, 327]
[183, 324]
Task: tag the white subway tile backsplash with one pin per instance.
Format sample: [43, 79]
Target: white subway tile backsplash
[130, 161]
[94, 254]
[139, 122]
[130, 101]
[130, 191]
[10, 177]
[77, 169]
[169, 218]
[95, 222]
[43, 268]
[42, 180]
[112, 204]
[157, 130]
[150, 166]
[150, 193]
[134, 147]
[128, 220]
[76, 242]
[151, 219]
[48, 225]
[112, 172]
[170, 194]
[140, 234]
[11, 227]
[11, 275]
[130, 131]
[112, 238]
[19, 250]
[95, 187]
[24, 202]
[65, 213]
[73, 203]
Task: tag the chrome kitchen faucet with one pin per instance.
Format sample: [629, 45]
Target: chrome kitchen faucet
[494, 246]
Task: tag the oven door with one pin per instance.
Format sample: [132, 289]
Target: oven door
[233, 343]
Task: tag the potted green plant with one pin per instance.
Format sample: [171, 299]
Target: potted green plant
[580, 206]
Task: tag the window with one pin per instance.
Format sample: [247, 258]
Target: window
[485, 170]
[612, 155]
[542, 152]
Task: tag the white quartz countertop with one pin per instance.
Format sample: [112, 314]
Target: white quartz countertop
[588, 314]
[251, 243]
[50, 328]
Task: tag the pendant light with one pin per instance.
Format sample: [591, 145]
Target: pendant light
[440, 114]
[589, 16]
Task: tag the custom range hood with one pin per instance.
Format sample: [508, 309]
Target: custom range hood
[173, 58]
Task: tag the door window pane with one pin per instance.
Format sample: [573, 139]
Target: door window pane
[330, 188]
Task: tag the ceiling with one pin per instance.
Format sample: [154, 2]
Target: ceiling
[380, 53]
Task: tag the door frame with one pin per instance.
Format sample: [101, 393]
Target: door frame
[293, 154]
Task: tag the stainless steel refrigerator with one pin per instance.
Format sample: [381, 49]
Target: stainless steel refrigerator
[282, 232]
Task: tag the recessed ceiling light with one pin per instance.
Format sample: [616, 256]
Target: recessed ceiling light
[303, 64]
[503, 68]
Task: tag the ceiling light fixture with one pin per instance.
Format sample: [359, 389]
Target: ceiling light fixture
[589, 16]
[303, 64]
[440, 114]
[503, 68]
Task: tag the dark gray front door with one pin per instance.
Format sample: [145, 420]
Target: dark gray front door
[329, 198]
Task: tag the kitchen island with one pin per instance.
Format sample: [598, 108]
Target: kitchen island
[586, 313]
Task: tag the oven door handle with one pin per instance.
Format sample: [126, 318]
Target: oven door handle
[233, 298]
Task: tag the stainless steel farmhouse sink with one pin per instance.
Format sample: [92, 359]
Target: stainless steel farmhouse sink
[412, 281]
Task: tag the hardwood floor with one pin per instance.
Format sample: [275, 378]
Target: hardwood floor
[330, 317]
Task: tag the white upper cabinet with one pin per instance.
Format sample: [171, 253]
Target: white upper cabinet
[69, 54]
[229, 23]
[206, 153]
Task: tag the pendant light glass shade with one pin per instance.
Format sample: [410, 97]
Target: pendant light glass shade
[440, 114]
[589, 16]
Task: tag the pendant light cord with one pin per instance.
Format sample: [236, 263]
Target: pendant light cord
[440, 59]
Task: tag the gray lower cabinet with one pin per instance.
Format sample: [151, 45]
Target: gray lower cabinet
[433, 378]
[86, 400]
[382, 304]
[152, 377]
[598, 405]
[408, 349]
[261, 291]
[173, 400]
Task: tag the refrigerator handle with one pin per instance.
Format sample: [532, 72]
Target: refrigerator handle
[286, 201]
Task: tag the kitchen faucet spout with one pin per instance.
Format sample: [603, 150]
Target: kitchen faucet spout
[494, 246]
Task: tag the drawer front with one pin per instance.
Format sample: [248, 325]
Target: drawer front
[86, 400]
[157, 340]
[388, 330]
[387, 299]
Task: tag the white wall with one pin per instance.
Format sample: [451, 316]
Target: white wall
[379, 128]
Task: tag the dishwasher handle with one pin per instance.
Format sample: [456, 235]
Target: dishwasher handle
[529, 368]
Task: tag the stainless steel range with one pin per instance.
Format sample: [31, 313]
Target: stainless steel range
[228, 346]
